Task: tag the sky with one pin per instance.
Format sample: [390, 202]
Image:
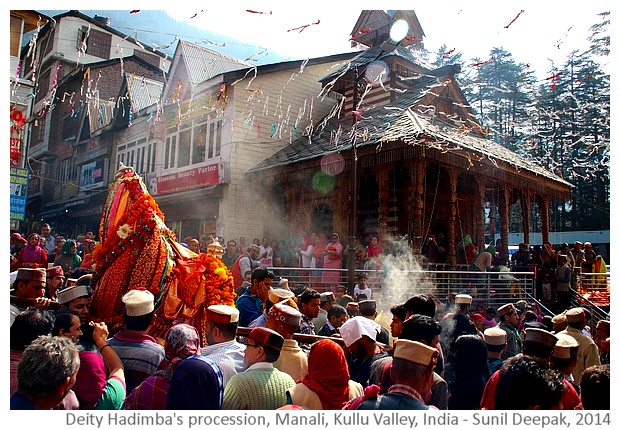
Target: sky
[534, 31]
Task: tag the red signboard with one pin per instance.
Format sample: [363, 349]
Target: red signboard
[188, 179]
[17, 121]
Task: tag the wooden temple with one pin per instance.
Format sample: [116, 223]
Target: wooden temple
[403, 149]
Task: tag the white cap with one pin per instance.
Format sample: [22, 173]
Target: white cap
[564, 345]
[138, 302]
[463, 299]
[71, 293]
[494, 336]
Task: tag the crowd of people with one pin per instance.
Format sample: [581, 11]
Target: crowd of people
[283, 347]
[44, 249]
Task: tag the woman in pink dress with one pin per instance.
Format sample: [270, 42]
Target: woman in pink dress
[332, 260]
[33, 254]
[373, 262]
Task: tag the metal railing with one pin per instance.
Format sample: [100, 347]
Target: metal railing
[592, 292]
[391, 286]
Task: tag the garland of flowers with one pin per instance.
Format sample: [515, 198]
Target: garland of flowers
[128, 238]
[136, 187]
[211, 274]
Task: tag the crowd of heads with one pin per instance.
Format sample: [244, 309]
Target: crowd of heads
[515, 354]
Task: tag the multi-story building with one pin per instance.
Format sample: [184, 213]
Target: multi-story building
[59, 51]
[217, 124]
[22, 21]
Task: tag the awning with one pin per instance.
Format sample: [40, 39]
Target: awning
[52, 212]
[200, 203]
[182, 196]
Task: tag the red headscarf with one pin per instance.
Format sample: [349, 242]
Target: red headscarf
[328, 374]
[374, 250]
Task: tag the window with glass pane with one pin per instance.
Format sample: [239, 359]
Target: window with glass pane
[215, 139]
[185, 141]
[218, 138]
[198, 151]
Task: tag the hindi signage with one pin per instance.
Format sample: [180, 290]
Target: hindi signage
[19, 193]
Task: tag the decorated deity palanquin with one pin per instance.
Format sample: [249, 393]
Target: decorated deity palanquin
[138, 250]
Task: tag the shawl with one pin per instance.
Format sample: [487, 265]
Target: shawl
[328, 374]
[91, 379]
[32, 253]
[196, 384]
[66, 251]
[600, 267]
[306, 243]
[317, 250]
[182, 341]
[374, 250]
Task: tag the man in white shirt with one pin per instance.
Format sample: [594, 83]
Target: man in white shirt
[223, 349]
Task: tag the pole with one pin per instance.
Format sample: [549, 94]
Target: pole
[352, 218]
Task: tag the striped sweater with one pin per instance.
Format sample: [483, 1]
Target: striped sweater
[261, 387]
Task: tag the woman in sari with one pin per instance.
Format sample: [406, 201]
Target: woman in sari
[32, 255]
[332, 259]
[326, 386]
[182, 341]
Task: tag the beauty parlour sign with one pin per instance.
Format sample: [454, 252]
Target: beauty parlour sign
[189, 179]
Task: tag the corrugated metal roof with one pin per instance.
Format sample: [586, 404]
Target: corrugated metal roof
[143, 92]
[400, 120]
[203, 64]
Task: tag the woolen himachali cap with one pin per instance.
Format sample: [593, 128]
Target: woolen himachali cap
[521, 305]
[463, 299]
[71, 293]
[368, 305]
[494, 336]
[564, 345]
[19, 237]
[267, 337]
[55, 271]
[222, 314]
[277, 295]
[415, 352]
[253, 246]
[603, 325]
[559, 318]
[540, 336]
[285, 314]
[354, 328]
[505, 309]
[327, 296]
[27, 274]
[138, 302]
[575, 315]
[535, 324]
